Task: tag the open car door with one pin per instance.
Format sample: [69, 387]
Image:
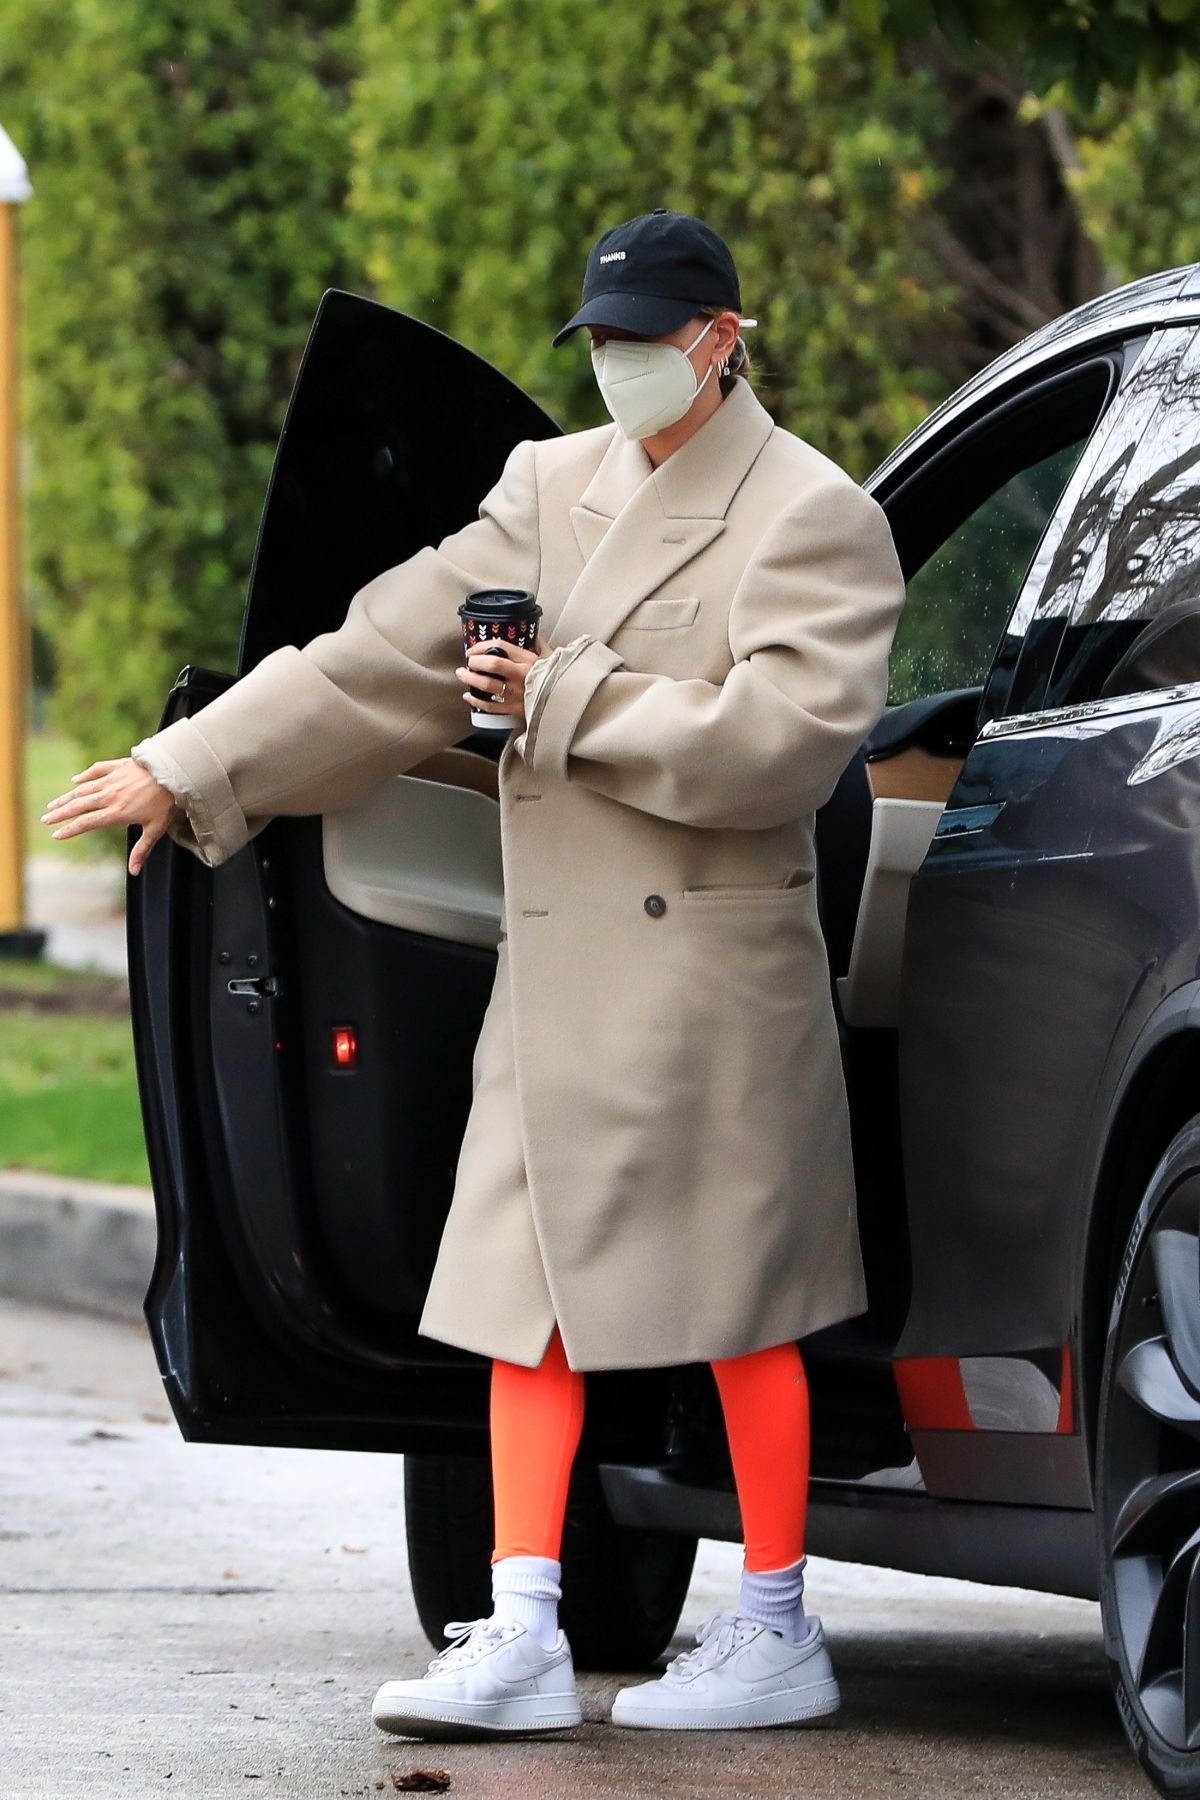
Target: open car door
[305, 1015]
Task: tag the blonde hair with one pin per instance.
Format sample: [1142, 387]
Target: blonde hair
[739, 361]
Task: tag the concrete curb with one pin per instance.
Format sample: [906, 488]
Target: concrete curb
[67, 1242]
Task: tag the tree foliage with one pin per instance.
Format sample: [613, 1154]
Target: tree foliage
[493, 143]
[1131, 185]
[189, 168]
[1085, 43]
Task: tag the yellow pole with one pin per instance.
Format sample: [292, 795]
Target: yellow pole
[14, 647]
[12, 665]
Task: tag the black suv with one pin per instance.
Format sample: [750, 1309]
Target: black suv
[1009, 882]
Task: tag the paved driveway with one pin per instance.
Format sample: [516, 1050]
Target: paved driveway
[212, 1621]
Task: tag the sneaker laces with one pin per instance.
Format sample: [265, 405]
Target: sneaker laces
[715, 1637]
[471, 1636]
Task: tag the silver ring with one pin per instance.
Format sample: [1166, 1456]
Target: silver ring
[503, 694]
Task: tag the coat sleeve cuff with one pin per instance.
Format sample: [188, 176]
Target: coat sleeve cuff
[213, 825]
[571, 676]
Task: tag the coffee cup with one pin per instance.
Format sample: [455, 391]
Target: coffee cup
[497, 617]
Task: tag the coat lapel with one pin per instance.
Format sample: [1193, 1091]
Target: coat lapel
[636, 525]
[620, 473]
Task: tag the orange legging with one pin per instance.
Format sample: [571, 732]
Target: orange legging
[536, 1418]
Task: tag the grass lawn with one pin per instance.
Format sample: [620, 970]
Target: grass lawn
[68, 1096]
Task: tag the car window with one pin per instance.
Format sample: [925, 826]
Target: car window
[1125, 582]
[958, 602]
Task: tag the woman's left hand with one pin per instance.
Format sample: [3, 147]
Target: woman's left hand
[487, 669]
[116, 792]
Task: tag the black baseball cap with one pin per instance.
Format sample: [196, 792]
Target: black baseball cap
[651, 274]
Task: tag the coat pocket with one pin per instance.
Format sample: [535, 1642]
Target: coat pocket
[735, 892]
[658, 615]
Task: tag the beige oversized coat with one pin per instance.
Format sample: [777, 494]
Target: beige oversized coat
[658, 1150]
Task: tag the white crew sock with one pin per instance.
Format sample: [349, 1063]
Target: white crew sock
[775, 1598]
[528, 1589]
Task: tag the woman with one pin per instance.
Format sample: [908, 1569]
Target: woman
[656, 1168]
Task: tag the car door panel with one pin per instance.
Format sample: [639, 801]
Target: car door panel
[422, 855]
[966, 505]
[269, 1323]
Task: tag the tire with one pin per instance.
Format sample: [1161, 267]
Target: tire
[623, 1590]
[1148, 1475]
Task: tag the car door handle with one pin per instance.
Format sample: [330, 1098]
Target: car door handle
[957, 821]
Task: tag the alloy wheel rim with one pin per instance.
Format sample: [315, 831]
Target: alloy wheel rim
[1151, 1488]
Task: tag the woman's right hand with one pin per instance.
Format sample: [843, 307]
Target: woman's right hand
[120, 792]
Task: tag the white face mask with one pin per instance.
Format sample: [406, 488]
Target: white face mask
[646, 387]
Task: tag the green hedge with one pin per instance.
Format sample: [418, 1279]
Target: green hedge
[189, 166]
[492, 143]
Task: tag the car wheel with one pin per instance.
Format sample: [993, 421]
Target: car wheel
[1148, 1475]
[623, 1589]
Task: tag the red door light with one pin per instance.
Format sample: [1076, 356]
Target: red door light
[345, 1047]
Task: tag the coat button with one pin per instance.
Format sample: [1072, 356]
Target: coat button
[655, 905]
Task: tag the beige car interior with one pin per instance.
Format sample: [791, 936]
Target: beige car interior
[908, 795]
[422, 852]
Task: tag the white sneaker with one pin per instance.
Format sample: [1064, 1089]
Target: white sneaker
[741, 1673]
[496, 1679]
